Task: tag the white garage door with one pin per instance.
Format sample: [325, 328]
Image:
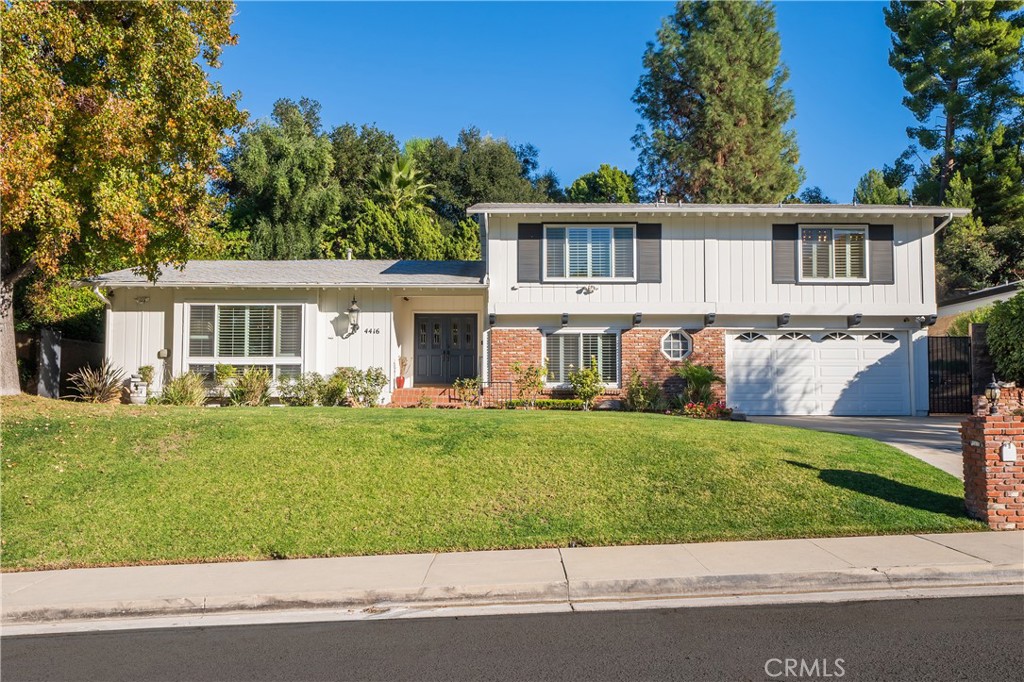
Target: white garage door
[804, 372]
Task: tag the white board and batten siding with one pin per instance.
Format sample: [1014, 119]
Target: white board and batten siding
[716, 264]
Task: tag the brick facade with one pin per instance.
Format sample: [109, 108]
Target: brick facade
[1010, 399]
[509, 346]
[993, 489]
[641, 350]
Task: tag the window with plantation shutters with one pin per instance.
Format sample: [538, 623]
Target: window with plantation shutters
[200, 334]
[589, 252]
[833, 253]
[568, 352]
[289, 331]
[265, 335]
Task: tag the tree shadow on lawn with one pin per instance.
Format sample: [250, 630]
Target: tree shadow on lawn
[890, 490]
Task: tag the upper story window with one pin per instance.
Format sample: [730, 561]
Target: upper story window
[589, 252]
[833, 253]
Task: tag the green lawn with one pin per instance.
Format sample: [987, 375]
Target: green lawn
[90, 485]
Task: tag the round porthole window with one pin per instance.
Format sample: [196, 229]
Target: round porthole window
[676, 345]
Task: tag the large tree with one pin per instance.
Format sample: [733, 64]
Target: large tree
[606, 185]
[282, 191]
[715, 107]
[478, 168]
[110, 136]
[358, 154]
[960, 62]
[873, 188]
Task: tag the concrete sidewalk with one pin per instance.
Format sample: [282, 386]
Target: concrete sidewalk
[541, 576]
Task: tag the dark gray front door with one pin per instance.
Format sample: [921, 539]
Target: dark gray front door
[445, 348]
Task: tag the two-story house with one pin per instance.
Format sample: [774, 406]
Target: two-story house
[804, 309]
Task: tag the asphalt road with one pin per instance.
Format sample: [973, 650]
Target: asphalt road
[934, 639]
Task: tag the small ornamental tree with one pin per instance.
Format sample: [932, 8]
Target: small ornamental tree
[1005, 337]
[111, 133]
[587, 384]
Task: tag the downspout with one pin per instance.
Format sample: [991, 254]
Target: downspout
[96, 292]
[944, 223]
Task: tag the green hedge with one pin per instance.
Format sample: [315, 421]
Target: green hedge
[548, 404]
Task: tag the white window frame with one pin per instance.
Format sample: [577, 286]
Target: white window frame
[580, 331]
[274, 361]
[586, 226]
[689, 345]
[832, 253]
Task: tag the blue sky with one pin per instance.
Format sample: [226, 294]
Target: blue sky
[558, 75]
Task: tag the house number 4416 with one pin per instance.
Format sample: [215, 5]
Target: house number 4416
[372, 330]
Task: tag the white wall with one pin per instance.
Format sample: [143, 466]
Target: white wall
[716, 264]
[137, 327]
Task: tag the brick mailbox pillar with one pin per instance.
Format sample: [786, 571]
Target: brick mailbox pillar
[994, 488]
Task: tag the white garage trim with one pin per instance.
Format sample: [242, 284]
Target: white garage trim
[840, 372]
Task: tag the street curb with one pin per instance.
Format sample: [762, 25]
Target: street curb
[567, 592]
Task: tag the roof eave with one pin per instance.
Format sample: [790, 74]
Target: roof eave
[724, 209]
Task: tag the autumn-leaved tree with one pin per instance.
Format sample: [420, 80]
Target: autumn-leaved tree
[110, 134]
[715, 107]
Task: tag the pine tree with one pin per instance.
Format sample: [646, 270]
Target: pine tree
[715, 107]
[874, 189]
[960, 62]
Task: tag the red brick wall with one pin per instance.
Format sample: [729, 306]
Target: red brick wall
[509, 346]
[1010, 399]
[993, 489]
[641, 350]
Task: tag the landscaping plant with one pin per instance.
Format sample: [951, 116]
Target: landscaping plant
[103, 385]
[185, 389]
[706, 410]
[223, 376]
[335, 390]
[251, 388]
[366, 386]
[467, 390]
[641, 395]
[1005, 337]
[146, 374]
[528, 381]
[306, 390]
[699, 380]
[587, 384]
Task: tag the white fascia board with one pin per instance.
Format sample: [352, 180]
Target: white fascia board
[634, 210]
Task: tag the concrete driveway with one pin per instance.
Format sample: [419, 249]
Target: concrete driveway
[935, 440]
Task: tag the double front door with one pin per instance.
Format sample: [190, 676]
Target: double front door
[445, 348]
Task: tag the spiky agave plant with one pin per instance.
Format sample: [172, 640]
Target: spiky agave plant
[103, 385]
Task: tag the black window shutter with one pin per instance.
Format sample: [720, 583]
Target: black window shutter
[648, 252]
[880, 254]
[784, 243]
[530, 239]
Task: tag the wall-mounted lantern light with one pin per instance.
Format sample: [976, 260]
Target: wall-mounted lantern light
[637, 318]
[782, 320]
[709, 319]
[992, 393]
[353, 315]
[854, 320]
[565, 319]
[926, 320]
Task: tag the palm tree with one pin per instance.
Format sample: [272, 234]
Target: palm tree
[400, 185]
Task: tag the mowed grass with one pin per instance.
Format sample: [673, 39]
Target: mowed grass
[92, 485]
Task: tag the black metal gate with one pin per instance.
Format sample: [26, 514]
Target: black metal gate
[949, 374]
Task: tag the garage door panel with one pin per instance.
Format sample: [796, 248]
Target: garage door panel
[820, 375]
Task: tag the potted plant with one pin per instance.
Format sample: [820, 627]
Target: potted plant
[403, 366]
[138, 385]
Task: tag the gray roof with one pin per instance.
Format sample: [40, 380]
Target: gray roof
[723, 209]
[302, 273]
